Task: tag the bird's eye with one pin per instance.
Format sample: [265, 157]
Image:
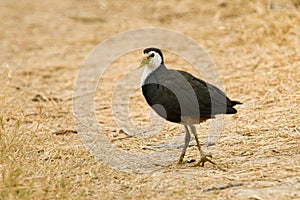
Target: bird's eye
[151, 55]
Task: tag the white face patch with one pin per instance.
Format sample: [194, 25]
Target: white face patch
[154, 62]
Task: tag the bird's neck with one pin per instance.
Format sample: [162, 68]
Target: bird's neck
[147, 71]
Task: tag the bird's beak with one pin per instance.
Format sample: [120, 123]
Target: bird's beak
[145, 61]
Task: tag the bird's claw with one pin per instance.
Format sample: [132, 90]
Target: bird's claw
[207, 158]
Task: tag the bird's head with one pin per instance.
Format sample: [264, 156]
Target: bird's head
[152, 58]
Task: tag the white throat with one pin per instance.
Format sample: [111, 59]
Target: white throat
[153, 64]
[147, 71]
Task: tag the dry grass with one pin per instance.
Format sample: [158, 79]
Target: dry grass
[255, 44]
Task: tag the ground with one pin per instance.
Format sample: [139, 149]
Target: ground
[255, 45]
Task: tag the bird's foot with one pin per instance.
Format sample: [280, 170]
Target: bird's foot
[179, 162]
[207, 158]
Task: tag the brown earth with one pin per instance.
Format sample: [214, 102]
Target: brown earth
[256, 46]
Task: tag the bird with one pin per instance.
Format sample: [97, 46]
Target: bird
[179, 97]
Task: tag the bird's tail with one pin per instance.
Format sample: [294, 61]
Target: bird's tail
[233, 103]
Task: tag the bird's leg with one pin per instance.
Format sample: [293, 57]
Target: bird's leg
[186, 144]
[203, 157]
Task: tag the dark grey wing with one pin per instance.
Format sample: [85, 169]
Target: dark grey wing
[211, 99]
[178, 88]
[174, 93]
